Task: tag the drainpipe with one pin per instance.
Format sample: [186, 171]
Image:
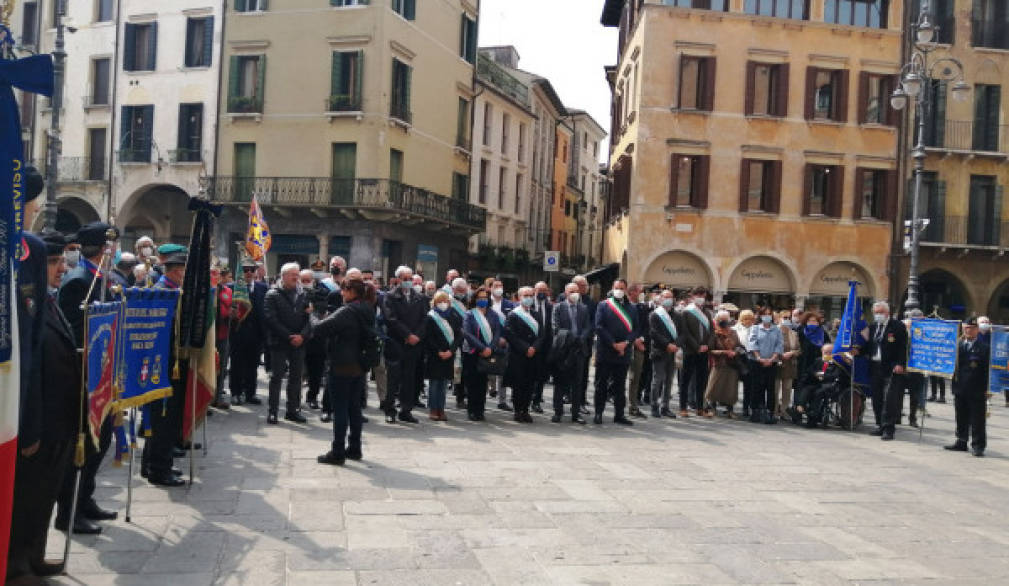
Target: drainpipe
[220, 226]
[109, 207]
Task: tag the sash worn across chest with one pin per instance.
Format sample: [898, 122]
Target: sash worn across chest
[529, 321]
[446, 330]
[486, 334]
[699, 314]
[666, 321]
[459, 307]
[621, 314]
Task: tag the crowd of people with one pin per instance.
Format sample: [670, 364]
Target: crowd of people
[335, 328]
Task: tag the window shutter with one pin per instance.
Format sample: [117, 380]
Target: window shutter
[408, 73]
[842, 95]
[208, 42]
[699, 186]
[152, 46]
[996, 218]
[674, 179]
[939, 118]
[774, 197]
[751, 72]
[781, 97]
[808, 189]
[410, 9]
[835, 199]
[181, 141]
[264, 5]
[863, 96]
[859, 183]
[937, 216]
[744, 185]
[359, 79]
[810, 92]
[709, 84]
[130, 49]
[977, 23]
[462, 38]
[147, 136]
[336, 75]
[234, 77]
[126, 115]
[241, 5]
[261, 81]
[888, 207]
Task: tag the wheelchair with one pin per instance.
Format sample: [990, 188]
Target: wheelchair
[839, 405]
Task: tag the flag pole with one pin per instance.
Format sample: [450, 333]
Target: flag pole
[192, 425]
[133, 454]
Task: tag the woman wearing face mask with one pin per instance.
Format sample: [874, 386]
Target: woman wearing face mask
[742, 329]
[526, 340]
[788, 366]
[723, 383]
[481, 338]
[442, 338]
[765, 346]
[812, 337]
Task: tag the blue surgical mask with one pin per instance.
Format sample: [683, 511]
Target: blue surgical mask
[879, 317]
[482, 303]
[667, 303]
[541, 296]
[406, 284]
[765, 319]
[527, 301]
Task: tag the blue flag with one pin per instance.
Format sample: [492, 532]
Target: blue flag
[849, 334]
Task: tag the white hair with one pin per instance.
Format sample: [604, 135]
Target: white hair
[430, 284]
[354, 273]
[722, 313]
[306, 272]
[288, 267]
[338, 260]
[140, 271]
[459, 282]
[578, 279]
[881, 304]
[570, 285]
[525, 290]
[401, 269]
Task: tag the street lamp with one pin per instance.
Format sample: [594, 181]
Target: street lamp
[916, 83]
[55, 144]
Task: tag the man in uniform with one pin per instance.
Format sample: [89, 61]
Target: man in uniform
[970, 390]
[85, 278]
[247, 340]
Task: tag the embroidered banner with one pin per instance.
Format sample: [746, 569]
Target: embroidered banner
[998, 373]
[932, 348]
[102, 333]
[147, 353]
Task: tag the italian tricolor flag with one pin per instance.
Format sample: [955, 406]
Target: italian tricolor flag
[10, 391]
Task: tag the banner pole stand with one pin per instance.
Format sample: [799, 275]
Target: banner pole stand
[70, 523]
[129, 478]
[192, 426]
[205, 419]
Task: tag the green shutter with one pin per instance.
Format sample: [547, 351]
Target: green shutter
[939, 119]
[129, 52]
[407, 74]
[410, 9]
[124, 129]
[996, 217]
[234, 80]
[152, 46]
[241, 5]
[336, 76]
[208, 42]
[359, 80]
[937, 213]
[261, 82]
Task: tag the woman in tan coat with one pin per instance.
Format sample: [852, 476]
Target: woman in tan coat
[723, 382]
[788, 365]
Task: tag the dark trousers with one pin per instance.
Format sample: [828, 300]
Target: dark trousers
[92, 462]
[589, 344]
[37, 483]
[748, 402]
[476, 385]
[315, 368]
[165, 417]
[887, 396]
[937, 382]
[345, 397]
[403, 381]
[224, 354]
[570, 383]
[524, 382]
[288, 361]
[611, 380]
[970, 419]
[695, 379]
[244, 368]
[762, 393]
[645, 381]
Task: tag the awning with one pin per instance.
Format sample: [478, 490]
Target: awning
[597, 274]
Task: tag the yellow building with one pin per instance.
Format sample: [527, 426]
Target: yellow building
[753, 147]
[962, 265]
[563, 226]
[351, 126]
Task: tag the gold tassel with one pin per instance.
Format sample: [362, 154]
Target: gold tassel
[79, 452]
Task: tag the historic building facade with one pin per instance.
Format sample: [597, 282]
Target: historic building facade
[753, 149]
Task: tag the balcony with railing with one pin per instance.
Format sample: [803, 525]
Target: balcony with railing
[343, 103]
[960, 232]
[355, 197]
[185, 156]
[245, 104]
[964, 136]
[401, 113]
[497, 76]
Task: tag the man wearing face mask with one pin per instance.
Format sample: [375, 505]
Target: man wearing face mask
[526, 339]
[696, 338]
[638, 370]
[544, 308]
[616, 332]
[247, 338]
[590, 305]
[984, 329]
[287, 319]
[144, 249]
[970, 390]
[331, 284]
[404, 312]
[72, 252]
[501, 307]
[887, 352]
[570, 350]
[430, 288]
[664, 325]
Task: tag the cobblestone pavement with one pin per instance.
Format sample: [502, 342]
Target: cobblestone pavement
[664, 502]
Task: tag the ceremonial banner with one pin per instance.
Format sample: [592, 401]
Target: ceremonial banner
[849, 334]
[998, 373]
[203, 367]
[100, 346]
[240, 300]
[258, 239]
[932, 347]
[147, 353]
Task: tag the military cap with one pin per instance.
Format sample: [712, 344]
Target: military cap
[176, 258]
[93, 234]
[248, 263]
[970, 321]
[170, 248]
[32, 181]
[55, 242]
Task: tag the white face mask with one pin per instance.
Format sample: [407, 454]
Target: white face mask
[667, 303]
[699, 301]
[618, 293]
[147, 251]
[574, 297]
[417, 289]
[73, 257]
[527, 301]
[766, 319]
[984, 326]
[879, 317]
[786, 322]
[443, 306]
[498, 292]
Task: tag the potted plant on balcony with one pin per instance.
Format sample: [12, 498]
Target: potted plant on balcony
[243, 104]
[341, 103]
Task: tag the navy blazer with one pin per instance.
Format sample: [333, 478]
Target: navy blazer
[32, 290]
[610, 329]
[562, 320]
[521, 337]
[971, 377]
[471, 333]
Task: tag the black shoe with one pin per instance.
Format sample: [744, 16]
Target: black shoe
[913, 422]
[888, 436]
[756, 416]
[331, 459]
[504, 407]
[95, 513]
[253, 400]
[46, 568]
[354, 454]
[578, 420]
[668, 413]
[931, 399]
[460, 404]
[407, 418]
[493, 393]
[473, 417]
[82, 526]
[420, 405]
[555, 419]
[271, 418]
[526, 418]
[312, 404]
[941, 400]
[746, 411]
[597, 419]
[167, 480]
[326, 417]
[237, 400]
[956, 447]
[637, 413]
[537, 408]
[584, 410]
[656, 413]
[977, 452]
[622, 421]
[877, 432]
[295, 416]
[517, 418]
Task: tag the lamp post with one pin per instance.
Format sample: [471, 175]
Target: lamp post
[917, 76]
[55, 143]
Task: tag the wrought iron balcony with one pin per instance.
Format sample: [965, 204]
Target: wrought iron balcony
[966, 136]
[497, 76]
[185, 156]
[245, 104]
[961, 232]
[402, 113]
[353, 197]
[343, 103]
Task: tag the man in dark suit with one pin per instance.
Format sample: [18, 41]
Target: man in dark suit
[970, 390]
[544, 309]
[616, 333]
[74, 293]
[696, 338]
[664, 325]
[247, 340]
[288, 326]
[571, 320]
[526, 336]
[641, 365]
[887, 353]
[404, 313]
[590, 305]
[39, 477]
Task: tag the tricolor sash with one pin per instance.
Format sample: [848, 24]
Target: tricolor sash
[529, 321]
[701, 317]
[666, 321]
[485, 331]
[446, 330]
[621, 313]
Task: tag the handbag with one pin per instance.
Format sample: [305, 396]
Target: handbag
[493, 365]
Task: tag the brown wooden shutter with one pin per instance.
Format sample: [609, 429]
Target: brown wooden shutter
[863, 96]
[679, 83]
[774, 197]
[700, 184]
[674, 173]
[842, 95]
[835, 199]
[781, 100]
[810, 92]
[744, 185]
[888, 208]
[751, 74]
[708, 101]
[807, 189]
[859, 182]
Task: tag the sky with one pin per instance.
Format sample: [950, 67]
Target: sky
[560, 40]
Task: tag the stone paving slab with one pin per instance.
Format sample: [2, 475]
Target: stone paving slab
[665, 502]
